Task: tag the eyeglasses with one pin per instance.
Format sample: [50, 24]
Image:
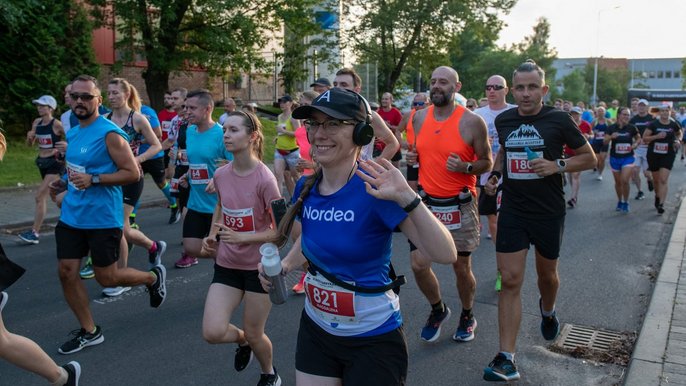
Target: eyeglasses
[496, 87]
[330, 126]
[84, 97]
[418, 103]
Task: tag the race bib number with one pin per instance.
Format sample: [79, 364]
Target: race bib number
[332, 303]
[182, 157]
[199, 173]
[450, 216]
[239, 220]
[498, 199]
[71, 169]
[166, 125]
[623, 148]
[518, 167]
[661, 148]
[599, 135]
[174, 185]
[44, 141]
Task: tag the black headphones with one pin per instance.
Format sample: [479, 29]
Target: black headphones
[363, 133]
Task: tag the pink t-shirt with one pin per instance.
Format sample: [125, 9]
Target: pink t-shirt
[245, 202]
[304, 145]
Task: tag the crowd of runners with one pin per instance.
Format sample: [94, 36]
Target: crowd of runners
[336, 159]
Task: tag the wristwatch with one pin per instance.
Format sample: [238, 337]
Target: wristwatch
[95, 179]
[561, 164]
[469, 167]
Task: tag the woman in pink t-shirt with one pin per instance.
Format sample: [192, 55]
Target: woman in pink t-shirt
[305, 164]
[242, 221]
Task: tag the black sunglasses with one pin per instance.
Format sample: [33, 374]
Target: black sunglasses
[496, 87]
[470, 106]
[417, 103]
[84, 97]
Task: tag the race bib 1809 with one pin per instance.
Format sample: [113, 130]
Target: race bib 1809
[518, 167]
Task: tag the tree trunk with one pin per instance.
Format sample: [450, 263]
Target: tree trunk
[157, 83]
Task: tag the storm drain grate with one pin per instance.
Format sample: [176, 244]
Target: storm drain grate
[573, 336]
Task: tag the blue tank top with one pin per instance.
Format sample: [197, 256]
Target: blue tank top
[45, 135]
[100, 206]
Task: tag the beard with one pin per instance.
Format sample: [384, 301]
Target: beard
[82, 116]
[440, 99]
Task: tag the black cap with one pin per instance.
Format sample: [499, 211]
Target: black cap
[337, 103]
[286, 98]
[321, 82]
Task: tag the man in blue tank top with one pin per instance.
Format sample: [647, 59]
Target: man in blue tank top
[98, 160]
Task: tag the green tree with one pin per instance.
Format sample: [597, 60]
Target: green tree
[392, 32]
[575, 87]
[683, 73]
[42, 47]
[611, 83]
[221, 36]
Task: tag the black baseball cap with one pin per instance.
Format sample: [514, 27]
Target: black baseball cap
[337, 103]
[286, 98]
[321, 82]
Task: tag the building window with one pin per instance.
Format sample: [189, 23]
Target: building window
[660, 74]
[677, 74]
[668, 74]
[651, 75]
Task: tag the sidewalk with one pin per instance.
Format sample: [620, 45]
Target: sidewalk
[659, 356]
[17, 206]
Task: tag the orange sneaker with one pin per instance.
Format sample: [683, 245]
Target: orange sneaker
[299, 287]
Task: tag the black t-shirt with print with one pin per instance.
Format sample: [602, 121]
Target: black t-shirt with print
[621, 147]
[664, 146]
[641, 122]
[524, 192]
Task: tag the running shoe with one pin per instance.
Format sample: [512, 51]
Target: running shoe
[619, 206]
[114, 291]
[87, 271]
[175, 215]
[299, 287]
[4, 297]
[73, 370]
[599, 178]
[432, 330]
[625, 207]
[158, 291]
[270, 379]
[651, 187]
[243, 358]
[81, 340]
[640, 195]
[657, 202]
[29, 237]
[660, 209]
[465, 330]
[155, 258]
[571, 203]
[501, 369]
[185, 261]
[550, 325]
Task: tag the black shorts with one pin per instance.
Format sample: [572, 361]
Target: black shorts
[660, 161]
[182, 194]
[516, 233]
[155, 167]
[196, 225]
[412, 173]
[248, 281]
[49, 165]
[371, 360]
[598, 147]
[75, 243]
[397, 156]
[132, 192]
[166, 158]
[488, 205]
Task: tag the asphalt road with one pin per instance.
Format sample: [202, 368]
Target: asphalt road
[608, 260]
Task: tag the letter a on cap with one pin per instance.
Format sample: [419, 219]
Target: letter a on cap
[326, 95]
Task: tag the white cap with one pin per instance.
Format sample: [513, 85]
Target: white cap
[645, 102]
[577, 109]
[46, 100]
[268, 249]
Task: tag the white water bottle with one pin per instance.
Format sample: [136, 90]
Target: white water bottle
[271, 264]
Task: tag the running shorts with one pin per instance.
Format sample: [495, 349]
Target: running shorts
[155, 167]
[49, 165]
[660, 161]
[132, 192]
[102, 245]
[516, 233]
[196, 225]
[237, 278]
[618, 163]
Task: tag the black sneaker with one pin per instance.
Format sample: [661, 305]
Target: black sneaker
[82, 339]
[550, 325]
[640, 196]
[243, 358]
[501, 369]
[650, 186]
[270, 379]
[657, 202]
[660, 209]
[3, 300]
[73, 372]
[158, 291]
[175, 215]
[432, 329]
[155, 258]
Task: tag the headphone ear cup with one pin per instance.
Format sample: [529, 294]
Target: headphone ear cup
[363, 134]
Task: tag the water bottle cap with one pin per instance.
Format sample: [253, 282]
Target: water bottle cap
[268, 249]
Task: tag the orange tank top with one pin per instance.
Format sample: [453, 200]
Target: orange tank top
[434, 143]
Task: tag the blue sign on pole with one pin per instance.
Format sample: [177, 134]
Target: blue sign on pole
[327, 20]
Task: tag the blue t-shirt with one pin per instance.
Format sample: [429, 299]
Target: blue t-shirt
[151, 115]
[349, 234]
[100, 206]
[203, 151]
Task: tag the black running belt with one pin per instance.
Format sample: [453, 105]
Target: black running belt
[395, 284]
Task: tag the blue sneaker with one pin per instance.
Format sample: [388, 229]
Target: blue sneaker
[501, 369]
[550, 325]
[625, 207]
[619, 206]
[29, 237]
[87, 271]
[465, 330]
[432, 330]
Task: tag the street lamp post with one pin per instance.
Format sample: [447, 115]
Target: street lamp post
[594, 98]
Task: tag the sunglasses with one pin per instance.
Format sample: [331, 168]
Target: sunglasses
[470, 106]
[84, 97]
[417, 103]
[496, 87]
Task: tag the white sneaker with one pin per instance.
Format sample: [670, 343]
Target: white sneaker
[114, 291]
[599, 178]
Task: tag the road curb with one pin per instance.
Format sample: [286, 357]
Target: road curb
[648, 358]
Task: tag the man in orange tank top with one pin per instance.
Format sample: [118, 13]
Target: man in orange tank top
[451, 145]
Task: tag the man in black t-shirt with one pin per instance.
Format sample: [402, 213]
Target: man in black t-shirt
[533, 206]
[641, 121]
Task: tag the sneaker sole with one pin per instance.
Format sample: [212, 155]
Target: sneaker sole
[34, 242]
[86, 277]
[91, 343]
[466, 339]
[163, 284]
[113, 294]
[158, 257]
[490, 375]
[438, 332]
[77, 372]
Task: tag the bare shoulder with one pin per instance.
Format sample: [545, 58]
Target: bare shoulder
[472, 120]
